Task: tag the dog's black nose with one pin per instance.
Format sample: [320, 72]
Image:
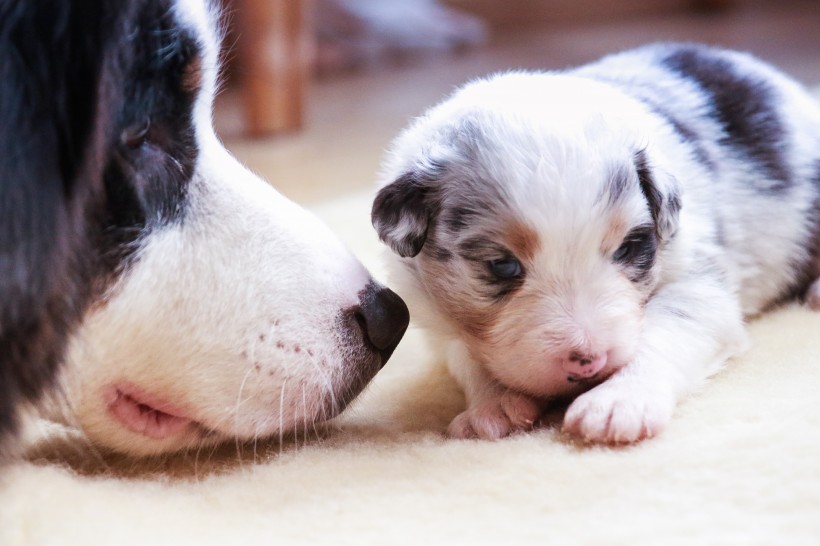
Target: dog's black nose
[383, 317]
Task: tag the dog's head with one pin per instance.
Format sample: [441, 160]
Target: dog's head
[207, 305]
[530, 211]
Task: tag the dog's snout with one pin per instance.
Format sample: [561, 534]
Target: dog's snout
[383, 318]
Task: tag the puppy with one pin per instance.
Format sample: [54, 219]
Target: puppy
[186, 301]
[599, 234]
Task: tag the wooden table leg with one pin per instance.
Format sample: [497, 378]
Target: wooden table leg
[275, 43]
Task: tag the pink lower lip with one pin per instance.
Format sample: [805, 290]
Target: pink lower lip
[145, 414]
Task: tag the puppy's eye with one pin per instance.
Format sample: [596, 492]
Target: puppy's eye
[624, 251]
[136, 134]
[506, 268]
[633, 246]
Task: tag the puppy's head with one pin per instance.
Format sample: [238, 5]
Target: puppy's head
[530, 212]
[219, 309]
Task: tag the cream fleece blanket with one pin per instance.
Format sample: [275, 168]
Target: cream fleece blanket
[739, 464]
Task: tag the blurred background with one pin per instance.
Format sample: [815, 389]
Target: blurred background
[314, 90]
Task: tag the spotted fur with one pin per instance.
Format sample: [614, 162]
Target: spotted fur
[672, 191]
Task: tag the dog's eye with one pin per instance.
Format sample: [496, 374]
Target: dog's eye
[624, 251]
[632, 247]
[136, 134]
[506, 268]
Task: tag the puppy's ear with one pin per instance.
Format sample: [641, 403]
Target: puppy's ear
[402, 212]
[662, 192]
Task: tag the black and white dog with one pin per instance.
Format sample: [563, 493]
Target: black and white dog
[187, 301]
[602, 232]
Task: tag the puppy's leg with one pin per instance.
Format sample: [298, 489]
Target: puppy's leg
[690, 329]
[493, 411]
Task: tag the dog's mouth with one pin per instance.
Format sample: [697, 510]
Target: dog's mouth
[147, 415]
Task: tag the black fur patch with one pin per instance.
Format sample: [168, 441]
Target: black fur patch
[50, 67]
[74, 199]
[742, 105]
[653, 196]
[411, 200]
[663, 208]
[404, 201]
[159, 168]
[642, 245]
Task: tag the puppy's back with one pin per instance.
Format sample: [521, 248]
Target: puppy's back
[753, 135]
[720, 102]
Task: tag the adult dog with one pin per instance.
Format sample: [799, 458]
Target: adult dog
[190, 301]
[602, 232]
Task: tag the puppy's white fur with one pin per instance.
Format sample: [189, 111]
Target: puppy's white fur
[710, 155]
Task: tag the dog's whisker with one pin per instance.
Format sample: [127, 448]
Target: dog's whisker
[237, 407]
[198, 451]
[304, 414]
[255, 441]
[282, 416]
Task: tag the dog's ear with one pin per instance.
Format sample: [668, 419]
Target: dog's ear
[402, 212]
[662, 192]
[51, 57]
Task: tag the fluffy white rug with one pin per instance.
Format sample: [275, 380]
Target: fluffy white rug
[740, 464]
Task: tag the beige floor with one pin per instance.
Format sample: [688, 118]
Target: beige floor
[351, 119]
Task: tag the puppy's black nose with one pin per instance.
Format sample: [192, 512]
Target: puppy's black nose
[383, 317]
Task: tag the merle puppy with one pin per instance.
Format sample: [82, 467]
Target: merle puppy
[601, 233]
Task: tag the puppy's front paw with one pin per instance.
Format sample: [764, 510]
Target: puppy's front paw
[618, 413]
[496, 417]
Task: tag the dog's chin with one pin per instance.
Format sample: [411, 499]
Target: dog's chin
[135, 428]
[135, 420]
[144, 414]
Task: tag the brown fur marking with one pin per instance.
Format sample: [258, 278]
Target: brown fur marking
[523, 241]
